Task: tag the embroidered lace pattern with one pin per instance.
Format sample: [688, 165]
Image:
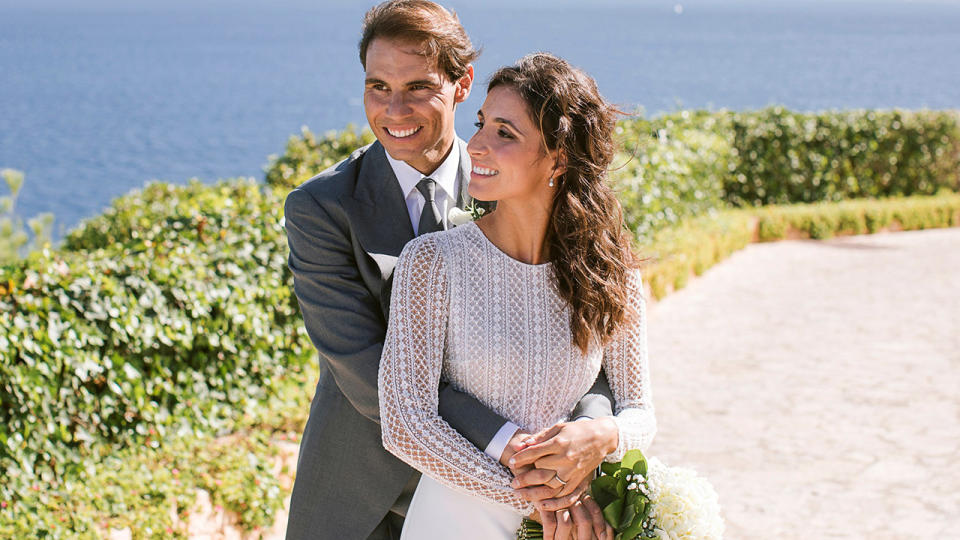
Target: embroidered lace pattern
[465, 312]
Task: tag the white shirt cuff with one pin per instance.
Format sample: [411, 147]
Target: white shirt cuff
[499, 441]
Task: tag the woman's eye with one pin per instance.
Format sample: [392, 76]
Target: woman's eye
[478, 124]
[505, 134]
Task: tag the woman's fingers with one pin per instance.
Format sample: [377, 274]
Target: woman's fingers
[537, 494]
[563, 500]
[535, 477]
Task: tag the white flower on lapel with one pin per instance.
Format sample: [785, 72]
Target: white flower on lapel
[458, 217]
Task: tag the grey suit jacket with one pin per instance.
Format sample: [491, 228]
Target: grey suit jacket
[345, 228]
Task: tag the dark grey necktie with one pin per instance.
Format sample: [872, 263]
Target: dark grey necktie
[430, 220]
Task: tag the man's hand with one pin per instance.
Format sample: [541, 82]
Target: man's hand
[516, 443]
[565, 455]
[582, 521]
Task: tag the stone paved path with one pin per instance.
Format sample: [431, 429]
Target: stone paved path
[817, 385]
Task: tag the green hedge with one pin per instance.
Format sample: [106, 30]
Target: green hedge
[171, 312]
[785, 157]
[670, 170]
[690, 163]
[677, 253]
[150, 489]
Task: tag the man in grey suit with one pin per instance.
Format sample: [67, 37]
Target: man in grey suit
[345, 228]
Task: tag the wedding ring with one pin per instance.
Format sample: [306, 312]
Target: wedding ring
[557, 476]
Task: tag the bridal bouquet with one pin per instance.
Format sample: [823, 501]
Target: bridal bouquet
[644, 500]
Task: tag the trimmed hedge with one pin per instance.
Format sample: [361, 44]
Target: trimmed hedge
[689, 249]
[786, 157]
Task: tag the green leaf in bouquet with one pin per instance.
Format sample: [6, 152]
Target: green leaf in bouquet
[640, 467]
[626, 519]
[632, 532]
[604, 490]
[609, 468]
[612, 512]
[621, 485]
[630, 458]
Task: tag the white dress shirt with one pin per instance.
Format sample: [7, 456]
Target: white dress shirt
[446, 177]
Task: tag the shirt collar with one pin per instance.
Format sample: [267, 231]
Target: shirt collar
[445, 176]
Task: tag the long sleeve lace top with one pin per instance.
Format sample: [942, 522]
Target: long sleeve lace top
[463, 311]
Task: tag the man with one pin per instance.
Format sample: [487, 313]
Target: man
[345, 228]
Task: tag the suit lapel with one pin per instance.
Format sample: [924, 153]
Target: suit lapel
[378, 211]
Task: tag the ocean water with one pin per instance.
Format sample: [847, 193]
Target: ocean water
[95, 102]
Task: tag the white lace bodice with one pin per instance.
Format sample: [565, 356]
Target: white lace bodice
[465, 312]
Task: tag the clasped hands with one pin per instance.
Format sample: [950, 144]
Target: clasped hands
[553, 470]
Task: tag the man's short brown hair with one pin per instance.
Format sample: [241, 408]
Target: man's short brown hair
[425, 23]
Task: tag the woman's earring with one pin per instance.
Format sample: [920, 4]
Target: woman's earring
[551, 182]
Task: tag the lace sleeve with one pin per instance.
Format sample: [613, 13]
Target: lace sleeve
[625, 363]
[410, 373]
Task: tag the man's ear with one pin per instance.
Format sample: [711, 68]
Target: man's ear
[464, 85]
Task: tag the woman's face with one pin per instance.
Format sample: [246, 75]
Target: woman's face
[507, 153]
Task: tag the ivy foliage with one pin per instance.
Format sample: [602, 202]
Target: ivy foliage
[172, 312]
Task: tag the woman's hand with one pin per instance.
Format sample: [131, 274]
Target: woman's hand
[564, 458]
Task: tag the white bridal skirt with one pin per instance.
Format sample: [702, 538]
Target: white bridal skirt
[437, 511]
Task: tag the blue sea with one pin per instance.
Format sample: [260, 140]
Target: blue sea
[98, 99]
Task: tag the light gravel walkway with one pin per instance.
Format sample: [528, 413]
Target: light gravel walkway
[817, 385]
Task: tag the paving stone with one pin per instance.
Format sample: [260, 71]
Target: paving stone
[817, 385]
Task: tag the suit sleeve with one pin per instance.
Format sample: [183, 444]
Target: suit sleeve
[345, 322]
[598, 402]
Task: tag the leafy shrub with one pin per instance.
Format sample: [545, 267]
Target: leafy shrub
[149, 489]
[173, 311]
[786, 157]
[307, 155]
[674, 168]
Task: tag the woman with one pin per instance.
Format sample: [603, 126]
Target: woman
[521, 308]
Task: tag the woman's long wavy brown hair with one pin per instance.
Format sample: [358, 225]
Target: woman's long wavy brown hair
[588, 244]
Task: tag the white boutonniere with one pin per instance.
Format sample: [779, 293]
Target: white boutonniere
[457, 216]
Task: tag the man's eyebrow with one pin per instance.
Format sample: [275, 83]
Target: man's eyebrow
[426, 82]
[373, 80]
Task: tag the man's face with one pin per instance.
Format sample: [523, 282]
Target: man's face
[410, 103]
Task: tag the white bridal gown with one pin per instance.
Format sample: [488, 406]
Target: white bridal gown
[494, 327]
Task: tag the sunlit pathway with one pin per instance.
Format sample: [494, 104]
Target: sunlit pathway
[817, 384]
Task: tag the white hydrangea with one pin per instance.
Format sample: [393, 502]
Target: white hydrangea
[685, 505]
